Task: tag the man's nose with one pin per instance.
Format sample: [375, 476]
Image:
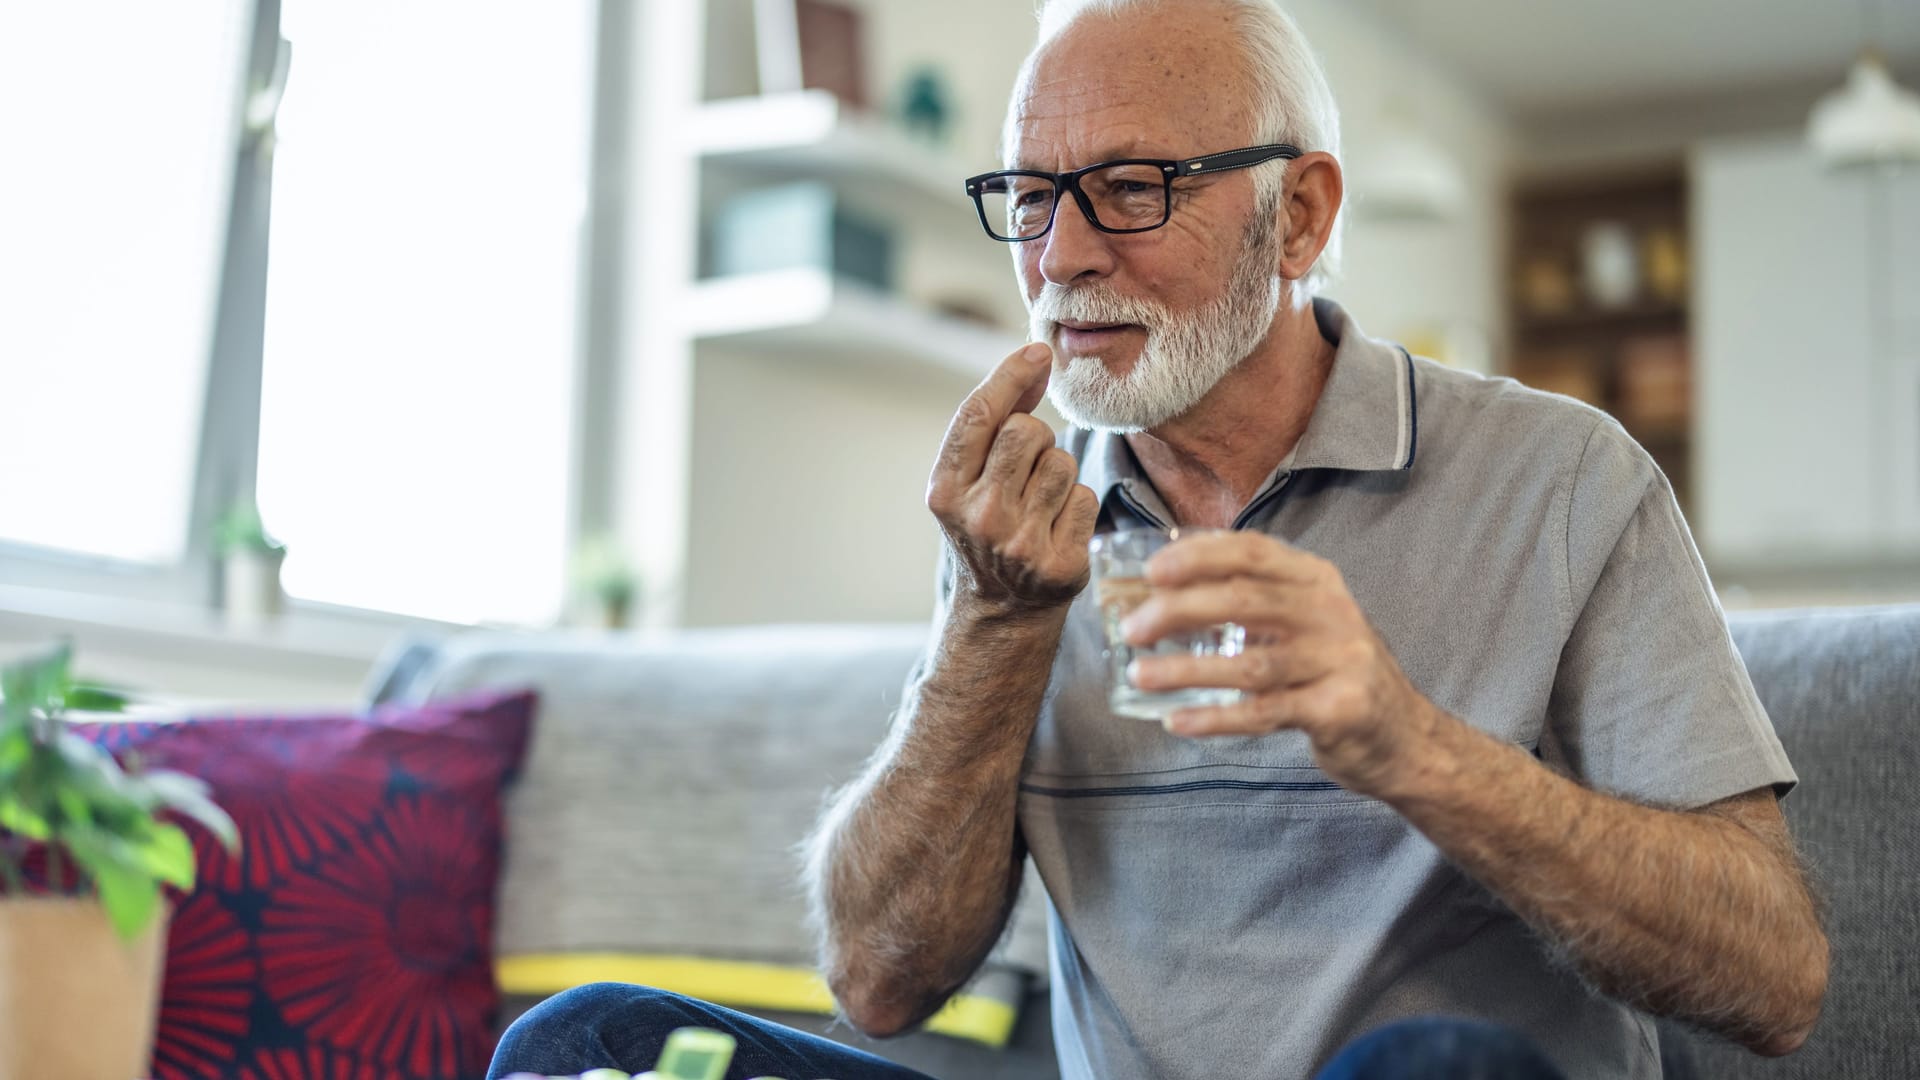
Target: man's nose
[1074, 249]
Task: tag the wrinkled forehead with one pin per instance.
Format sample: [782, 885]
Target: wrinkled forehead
[1167, 81]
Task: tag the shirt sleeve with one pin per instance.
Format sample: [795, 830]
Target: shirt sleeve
[1651, 700]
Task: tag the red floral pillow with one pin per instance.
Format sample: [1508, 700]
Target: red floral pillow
[352, 936]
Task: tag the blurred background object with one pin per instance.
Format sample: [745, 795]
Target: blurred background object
[1868, 121]
[1404, 175]
[605, 583]
[454, 294]
[250, 561]
[924, 107]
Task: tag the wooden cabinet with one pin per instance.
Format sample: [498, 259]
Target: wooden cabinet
[1599, 296]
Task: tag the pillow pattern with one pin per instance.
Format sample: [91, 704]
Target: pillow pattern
[352, 934]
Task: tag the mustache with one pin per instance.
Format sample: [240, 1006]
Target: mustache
[1097, 303]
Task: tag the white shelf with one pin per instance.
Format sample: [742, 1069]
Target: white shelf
[810, 134]
[810, 312]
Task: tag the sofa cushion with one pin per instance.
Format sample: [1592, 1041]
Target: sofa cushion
[1843, 689]
[352, 933]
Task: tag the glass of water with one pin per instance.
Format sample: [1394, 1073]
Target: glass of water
[1119, 561]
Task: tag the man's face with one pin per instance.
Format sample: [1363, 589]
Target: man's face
[1143, 325]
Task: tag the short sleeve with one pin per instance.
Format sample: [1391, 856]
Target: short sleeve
[1651, 701]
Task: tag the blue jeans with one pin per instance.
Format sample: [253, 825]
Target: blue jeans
[612, 1025]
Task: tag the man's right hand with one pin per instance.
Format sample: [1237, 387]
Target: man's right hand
[1006, 496]
[1018, 526]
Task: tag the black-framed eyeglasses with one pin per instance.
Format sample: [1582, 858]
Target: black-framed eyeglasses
[1130, 195]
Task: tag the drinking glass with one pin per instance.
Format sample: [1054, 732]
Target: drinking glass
[1119, 562]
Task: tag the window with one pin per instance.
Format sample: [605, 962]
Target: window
[119, 126]
[429, 196]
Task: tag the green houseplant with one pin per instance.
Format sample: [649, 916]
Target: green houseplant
[604, 578]
[250, 559]
[80, 974]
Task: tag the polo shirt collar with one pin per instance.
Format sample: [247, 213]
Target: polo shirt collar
[1365, 421]
[1367, 416]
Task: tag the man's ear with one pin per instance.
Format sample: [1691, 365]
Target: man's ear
[1311, 199]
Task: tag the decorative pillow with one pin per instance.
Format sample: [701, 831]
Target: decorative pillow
[352, 936]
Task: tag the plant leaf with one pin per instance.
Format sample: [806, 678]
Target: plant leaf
[16, 746]
[130, 897]
[240, 529]
[118, 869]
[87, 757]
[92, 697]
[35, 683]
[74, 807]
[115, 795]
[188, 795]
[168, 855]
[18, 818]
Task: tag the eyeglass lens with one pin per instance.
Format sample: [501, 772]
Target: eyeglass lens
[1123, 197]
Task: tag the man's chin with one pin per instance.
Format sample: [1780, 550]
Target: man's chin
[1084, 373]
[1078, 406]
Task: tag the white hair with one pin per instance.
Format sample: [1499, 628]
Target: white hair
[1291, 100]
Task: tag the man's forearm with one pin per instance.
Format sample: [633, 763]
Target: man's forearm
[915, 867]
[1688, 915]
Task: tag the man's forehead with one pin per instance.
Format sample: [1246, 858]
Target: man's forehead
[1145, 84]
[1051, 155]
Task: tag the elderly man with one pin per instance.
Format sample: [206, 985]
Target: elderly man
[1494, 760]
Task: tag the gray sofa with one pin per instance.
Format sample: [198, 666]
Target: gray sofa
[671, 776]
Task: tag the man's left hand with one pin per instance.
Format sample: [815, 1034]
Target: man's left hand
[1311, 662]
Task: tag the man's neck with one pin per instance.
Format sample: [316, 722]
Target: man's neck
[1209, 463]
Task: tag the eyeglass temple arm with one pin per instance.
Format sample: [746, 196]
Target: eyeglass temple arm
[1237, 159]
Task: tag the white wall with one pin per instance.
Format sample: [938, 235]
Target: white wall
[809, 487]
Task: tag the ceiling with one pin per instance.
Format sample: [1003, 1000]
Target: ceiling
[1534, 58]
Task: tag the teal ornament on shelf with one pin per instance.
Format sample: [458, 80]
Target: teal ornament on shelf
[925, 107]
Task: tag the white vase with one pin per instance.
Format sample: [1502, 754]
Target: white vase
[1611, 265]
[252, 580]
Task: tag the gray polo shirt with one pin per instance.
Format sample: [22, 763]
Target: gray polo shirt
[1218, 907]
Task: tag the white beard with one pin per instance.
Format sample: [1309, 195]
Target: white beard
[1185, 355]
